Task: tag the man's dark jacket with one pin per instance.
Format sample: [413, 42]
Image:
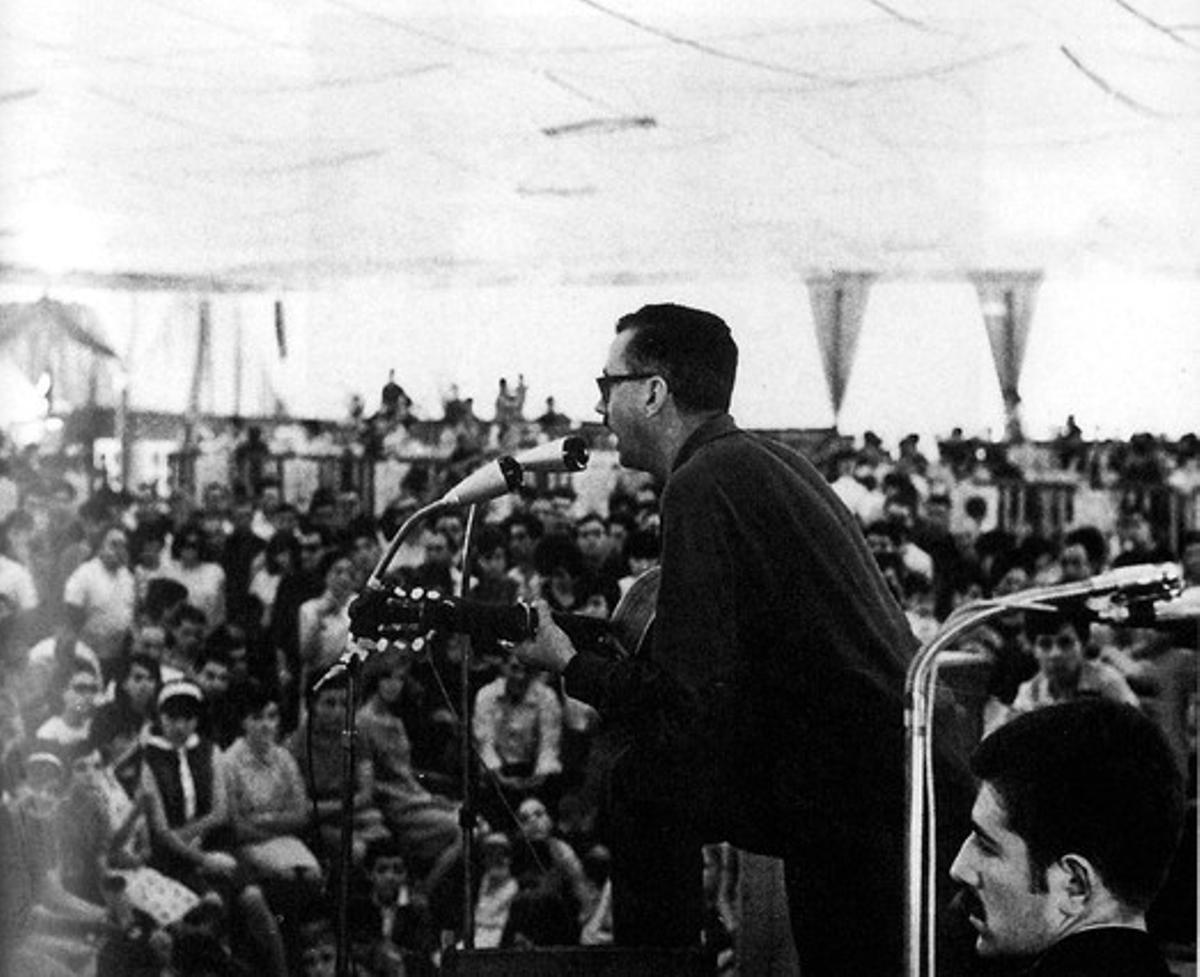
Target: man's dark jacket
[770, 705]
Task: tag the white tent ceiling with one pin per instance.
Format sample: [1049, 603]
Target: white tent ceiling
[286, 143]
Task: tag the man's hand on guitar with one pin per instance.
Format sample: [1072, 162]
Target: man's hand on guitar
[550, 648]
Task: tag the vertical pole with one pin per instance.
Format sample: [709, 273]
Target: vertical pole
[346, 855]
[467, 812]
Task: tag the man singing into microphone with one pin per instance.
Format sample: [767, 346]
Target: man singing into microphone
[768, 709]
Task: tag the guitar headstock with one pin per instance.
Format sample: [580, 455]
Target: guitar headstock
[407, 617]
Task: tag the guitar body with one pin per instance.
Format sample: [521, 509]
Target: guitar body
[634, 615]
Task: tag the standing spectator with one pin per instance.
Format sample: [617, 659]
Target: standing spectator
[306, 582]
[146, 544]
[552, 421]
[100, 596]
[238, 558]
[280, 558]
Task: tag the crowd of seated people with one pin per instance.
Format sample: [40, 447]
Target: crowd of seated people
[169, 764]
[172, 782]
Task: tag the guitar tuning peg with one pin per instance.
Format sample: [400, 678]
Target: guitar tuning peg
[417, 593]
[418, 644]
[434, 596]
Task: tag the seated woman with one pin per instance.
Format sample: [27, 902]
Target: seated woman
[424, 824]
[189, 818]
[43, 928]
[317, 746]
[268, 805]
[104, 835]
[131, 708]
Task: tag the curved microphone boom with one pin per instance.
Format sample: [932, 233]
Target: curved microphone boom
[569, 454]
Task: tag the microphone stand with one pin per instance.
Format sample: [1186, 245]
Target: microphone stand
[1131, 586]
[352, 662]
[346, 836]
[466, 813]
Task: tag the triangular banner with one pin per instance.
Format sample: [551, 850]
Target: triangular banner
[1007, 299]
[838, 303]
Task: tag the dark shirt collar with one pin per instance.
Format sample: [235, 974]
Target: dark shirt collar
[715, 427]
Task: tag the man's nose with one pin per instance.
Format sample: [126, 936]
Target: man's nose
[960, 869]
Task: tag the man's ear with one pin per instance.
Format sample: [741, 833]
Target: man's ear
[1073, 883]
[656, 395]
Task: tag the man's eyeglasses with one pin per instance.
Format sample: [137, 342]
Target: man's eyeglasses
[607, 381]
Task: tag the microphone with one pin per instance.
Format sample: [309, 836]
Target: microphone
[503, 475]
[1126, 595]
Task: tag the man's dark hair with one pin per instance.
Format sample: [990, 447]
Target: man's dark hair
[491, 537]
[162, 594]
[386, 847]
[692, 349]
[1050, 621]
[1092, 541]
[252, 697]
[532, 524]
[1094, 778]
[554, 552]
[643, 544]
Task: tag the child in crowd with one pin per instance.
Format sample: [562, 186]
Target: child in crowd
[392, 934]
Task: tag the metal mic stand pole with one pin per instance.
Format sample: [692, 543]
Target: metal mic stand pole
[466, 814]
[353, 672]
[346, 853]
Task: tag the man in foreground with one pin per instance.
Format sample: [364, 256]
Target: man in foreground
[1079, 810]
